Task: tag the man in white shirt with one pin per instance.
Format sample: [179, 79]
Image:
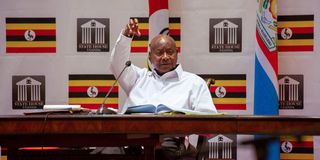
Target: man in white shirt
[166, 83]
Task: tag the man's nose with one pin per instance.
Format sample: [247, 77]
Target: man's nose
[165, 56]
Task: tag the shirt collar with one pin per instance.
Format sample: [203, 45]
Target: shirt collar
[176, 73]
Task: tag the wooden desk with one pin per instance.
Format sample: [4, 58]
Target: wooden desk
[95, 130]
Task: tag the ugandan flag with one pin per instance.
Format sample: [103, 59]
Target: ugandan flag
[89, 90]
[292, 148]
[175, 30]
[30, 35]
[140, 44]
[295, 33]
[228, 91]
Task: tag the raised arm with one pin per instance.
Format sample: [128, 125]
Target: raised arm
[121, 54]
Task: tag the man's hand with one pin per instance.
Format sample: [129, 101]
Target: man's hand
[132, 28]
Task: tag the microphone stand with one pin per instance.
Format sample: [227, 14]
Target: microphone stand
[102, 109]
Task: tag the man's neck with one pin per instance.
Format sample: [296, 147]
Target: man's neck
[160, 74]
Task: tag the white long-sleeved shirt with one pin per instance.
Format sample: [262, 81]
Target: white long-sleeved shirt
[177, 89]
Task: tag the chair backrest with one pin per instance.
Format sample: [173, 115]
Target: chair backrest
[210, 81]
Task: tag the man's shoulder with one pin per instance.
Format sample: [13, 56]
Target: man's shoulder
[192, 76]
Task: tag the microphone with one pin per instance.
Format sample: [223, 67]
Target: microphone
[102, 109]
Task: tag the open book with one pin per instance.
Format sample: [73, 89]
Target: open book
[163, 109]
[148, 108]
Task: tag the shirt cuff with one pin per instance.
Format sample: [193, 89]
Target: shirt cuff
[124, 39]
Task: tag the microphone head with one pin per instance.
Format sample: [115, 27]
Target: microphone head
[128, 63]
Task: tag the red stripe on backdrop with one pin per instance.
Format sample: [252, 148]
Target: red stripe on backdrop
[229, 89]
[155, 5]
[271, 56]
[174, 32]
[85, 88]
[294, 48]
[139, 49]
[298, 30]
[31, 50]
[301, 144]
[96, 106]
[144, 32]
[38, 32]
[231, 106]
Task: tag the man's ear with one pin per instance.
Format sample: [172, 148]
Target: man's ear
[149, 56]
[149, 65]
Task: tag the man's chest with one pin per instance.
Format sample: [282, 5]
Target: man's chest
[150, 87]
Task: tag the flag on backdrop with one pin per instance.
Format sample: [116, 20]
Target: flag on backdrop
[266, 66]
[228, 91]
[295, 33]
[297, 148]
[89, 90]
[175, 30]
[140, 44]
[30, 35]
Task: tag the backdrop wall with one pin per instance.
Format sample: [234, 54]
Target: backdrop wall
[57, 71]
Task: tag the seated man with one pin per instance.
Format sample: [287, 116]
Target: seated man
[166, 83]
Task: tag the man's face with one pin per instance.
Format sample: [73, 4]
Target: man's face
[163, 54]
